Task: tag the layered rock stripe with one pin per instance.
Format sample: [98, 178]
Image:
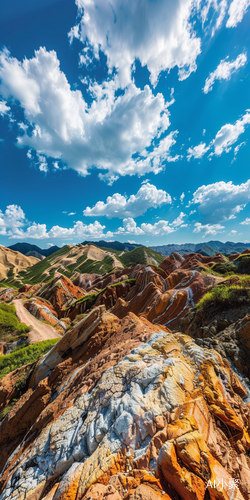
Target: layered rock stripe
[121, 407]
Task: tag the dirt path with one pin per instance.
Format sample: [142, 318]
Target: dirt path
[40, 331]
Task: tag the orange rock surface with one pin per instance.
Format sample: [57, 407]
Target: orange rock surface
[123, 408]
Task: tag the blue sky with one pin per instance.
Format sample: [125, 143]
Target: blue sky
[124, 121]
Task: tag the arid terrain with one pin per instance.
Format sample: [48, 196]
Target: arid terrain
[135, 384]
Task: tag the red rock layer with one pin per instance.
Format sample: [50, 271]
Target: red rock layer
[60, 292]
[44, 311]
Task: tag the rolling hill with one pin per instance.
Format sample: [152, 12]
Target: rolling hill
[12, 262]
[74, 260]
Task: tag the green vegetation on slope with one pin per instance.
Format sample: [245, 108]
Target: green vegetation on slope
[243, 263]
[229, 293]
[59, 253]
[35, 274]
[39, 272]
[140, 255]
[10, 328]
[22, 356]
[96, 266]
[224, 268]
[91, 297]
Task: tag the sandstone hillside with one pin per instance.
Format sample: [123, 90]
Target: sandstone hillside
[12, 262]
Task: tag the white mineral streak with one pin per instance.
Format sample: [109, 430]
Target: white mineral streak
[119, 411]
[35, 311]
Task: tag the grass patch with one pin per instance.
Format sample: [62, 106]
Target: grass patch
[22, 356]
[58, 253]
[9, 324]
[141, 255]
[11, 284]
[72, 267]
[6, 410]
[227, 294]
[224, 268]
[129, 280]
[243, 263]
[96, 267]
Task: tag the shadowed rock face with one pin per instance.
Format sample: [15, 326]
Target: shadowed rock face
[122, 408]
[227, 331]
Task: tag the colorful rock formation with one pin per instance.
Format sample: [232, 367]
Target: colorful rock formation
[124, 409]
[44, 311]
[61, 293]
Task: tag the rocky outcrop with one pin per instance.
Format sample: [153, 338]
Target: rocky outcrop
[90, 282]
[123, 409]
[61, 293]
[107, 297]
[224, 332]
[44, 311]
[165, 301]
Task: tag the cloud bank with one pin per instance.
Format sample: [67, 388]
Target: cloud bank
[107, 134]
[221, 201]
[120, 206]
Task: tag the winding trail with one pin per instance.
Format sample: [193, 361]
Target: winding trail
[40, 331]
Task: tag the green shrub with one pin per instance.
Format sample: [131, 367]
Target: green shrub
[224, 268]
[24, 355]
[9, 323]
[243, 263]
[226, 294]
[5, 411]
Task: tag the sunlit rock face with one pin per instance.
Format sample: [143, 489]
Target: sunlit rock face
[165, 300]
[60, 292]
[44, 312]
[133, 402]
[124, 409]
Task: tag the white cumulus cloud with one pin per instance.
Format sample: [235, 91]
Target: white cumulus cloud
[159, 34]
[182, 197]
[4, 109]
[224, 71]
[208, 228]
[79, 231]
[237, 10]
[161, 227]
[246, 222]
[120, 206]
[221, 201]
[224, 139]
[197, 151]
[179, 220]
[14, 224]
[13, 217]
[112, 133]
[229, 134]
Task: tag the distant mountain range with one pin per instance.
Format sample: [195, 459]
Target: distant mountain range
[33, 250]
[205, 248]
